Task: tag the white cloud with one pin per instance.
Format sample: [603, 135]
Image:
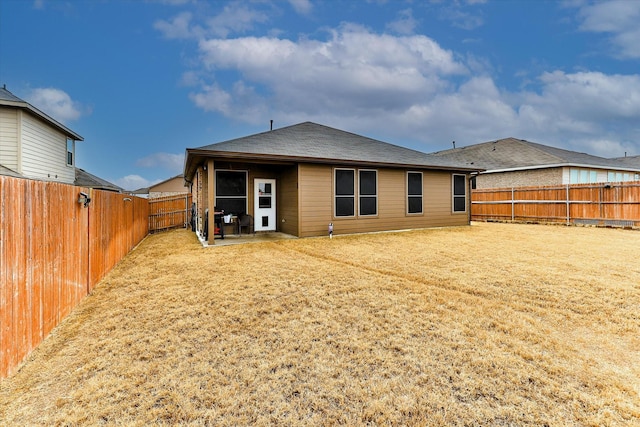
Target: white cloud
[462, 18]
[235, 17]
[56, 103]
[620, 19]
[303, 7]
[133, 182]
[404, 24]
[168, 161]
[408, 89]
[353, 70]
[179, 27]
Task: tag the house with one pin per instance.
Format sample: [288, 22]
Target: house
[173, 186]
[631, 161]
[301, 178]
[85, 179]
[512, 162]
[32, 144]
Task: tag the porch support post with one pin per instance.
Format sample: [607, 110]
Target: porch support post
[211, 201]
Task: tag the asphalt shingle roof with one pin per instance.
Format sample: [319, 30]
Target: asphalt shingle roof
[85, 179]
[314, 142]
[512, 153]
[5, 95]
[630, 161]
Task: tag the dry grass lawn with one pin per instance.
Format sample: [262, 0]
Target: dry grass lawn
[493, 324]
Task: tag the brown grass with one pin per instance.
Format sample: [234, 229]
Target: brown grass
[492, 324]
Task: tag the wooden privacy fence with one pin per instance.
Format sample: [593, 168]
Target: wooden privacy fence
[53, 251]
[603, 204]
[169, 212]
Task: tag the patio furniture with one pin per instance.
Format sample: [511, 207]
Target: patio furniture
[246, 220]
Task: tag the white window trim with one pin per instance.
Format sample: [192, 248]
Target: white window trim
[407, 195]
[73, 153]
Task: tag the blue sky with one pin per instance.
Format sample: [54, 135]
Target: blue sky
[143, 80]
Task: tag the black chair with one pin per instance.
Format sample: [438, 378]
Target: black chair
[246, 220]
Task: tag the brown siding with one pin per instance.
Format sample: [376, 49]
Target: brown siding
[316, 203]
[288, 201]
[315, 192]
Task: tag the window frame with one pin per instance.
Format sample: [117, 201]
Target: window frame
[336, 196]
[71, 153]
[246, 189]
[361, 196]
[409, 196]
[455, 196]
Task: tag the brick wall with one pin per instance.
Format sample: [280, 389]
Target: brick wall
[528, 178]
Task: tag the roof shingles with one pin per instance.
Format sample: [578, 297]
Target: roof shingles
[314, 142]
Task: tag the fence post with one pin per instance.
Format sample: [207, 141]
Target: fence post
[513, 204]
[568, 207]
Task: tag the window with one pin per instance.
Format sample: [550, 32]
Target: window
[459, 193]
[368, 195]
[70, 144]
[344, 192]
[583, 176]
[414, 192]
[231, 192]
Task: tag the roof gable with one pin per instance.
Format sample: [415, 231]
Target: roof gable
[318, 143]
[8, 99]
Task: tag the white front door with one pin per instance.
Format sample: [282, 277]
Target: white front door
[265, 205]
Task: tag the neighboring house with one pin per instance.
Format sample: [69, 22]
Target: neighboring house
[170, 187]
[173, 186]
[630, 161]
[301, 178]
[85, 179]
[512, 162]
[32, 144]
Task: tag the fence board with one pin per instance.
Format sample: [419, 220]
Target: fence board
[169, 212]
[598, 204]
[53, 251]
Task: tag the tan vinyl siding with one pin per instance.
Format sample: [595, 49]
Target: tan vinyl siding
[44, 152]
[316, 203]
[172, 186]
[9, 138]
[287, 203]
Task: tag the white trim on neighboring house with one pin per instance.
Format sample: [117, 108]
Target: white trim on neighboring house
[558, 165]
